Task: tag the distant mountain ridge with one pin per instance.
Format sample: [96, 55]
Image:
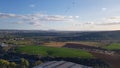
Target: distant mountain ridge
[66, 35]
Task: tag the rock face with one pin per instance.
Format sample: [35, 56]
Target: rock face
[60, 64]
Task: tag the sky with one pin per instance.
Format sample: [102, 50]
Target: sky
[72, 15]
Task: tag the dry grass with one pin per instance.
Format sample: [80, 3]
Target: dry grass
[55, 44]
[61, 44]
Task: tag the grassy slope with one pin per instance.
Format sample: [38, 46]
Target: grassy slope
[52, 51]
[114, 46]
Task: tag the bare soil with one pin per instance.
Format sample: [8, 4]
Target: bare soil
[112, 60]
[61, 44]
[55, 44]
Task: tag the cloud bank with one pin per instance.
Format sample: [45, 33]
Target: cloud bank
[37, 19]
[115, 20]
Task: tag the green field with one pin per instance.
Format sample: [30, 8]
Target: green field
[53, 51]
[113, 46]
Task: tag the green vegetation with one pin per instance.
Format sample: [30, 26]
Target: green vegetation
[24, 63]
[53, 51]
[7, 64]
[37, 63]
[113, 46]
[4, 63]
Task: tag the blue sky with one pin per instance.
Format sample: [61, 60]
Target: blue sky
[60, 14]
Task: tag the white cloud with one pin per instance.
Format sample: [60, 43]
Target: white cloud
[115, 20]
[109, 21]
[112, 23]
[104, 9]
[76, 16]
[6, 15]
[37, 19]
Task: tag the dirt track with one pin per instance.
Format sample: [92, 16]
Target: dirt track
[113, 61]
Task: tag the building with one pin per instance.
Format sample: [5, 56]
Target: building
[60, 64]
[3, 45]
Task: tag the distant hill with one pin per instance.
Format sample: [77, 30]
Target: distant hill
[99, 35]
[64, 35]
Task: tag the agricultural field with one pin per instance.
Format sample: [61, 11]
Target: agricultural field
[89, 43]
[61, 44]
[53, 51]
[113, 46]
[55, 44]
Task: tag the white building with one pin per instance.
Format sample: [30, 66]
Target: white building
[3, 44]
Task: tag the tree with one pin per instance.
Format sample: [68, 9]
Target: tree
[24, 63]
[4, 63]
[12, 65]
[37, 63]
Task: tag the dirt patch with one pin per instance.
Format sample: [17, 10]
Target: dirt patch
[80, 46]
[95, 44]
[112, 60]
[55, 44]
[61, 44]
